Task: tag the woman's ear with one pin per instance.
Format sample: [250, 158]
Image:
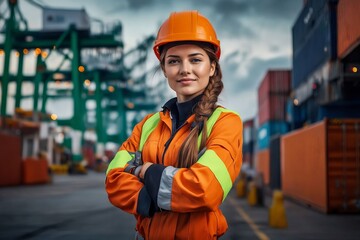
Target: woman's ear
[212, 68]
[163, 70]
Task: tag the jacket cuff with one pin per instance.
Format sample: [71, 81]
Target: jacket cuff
[145, 206]
[152, 180]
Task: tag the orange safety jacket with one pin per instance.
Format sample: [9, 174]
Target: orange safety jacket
[177, 203]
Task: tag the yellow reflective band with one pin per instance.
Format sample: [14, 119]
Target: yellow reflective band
[120, 160]
[148, 128]
[212, 120]
[211, 160]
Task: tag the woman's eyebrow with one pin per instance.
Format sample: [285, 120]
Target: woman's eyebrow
[190, 55]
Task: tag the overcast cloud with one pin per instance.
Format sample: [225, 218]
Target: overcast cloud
[255, 35]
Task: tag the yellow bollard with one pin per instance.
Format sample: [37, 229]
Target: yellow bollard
[277, 216]
[240, 188]
[252, 194]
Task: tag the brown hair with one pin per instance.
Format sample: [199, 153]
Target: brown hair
[188, 153]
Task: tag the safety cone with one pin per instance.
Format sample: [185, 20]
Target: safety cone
[277, 216]
[252, 194]
[240, 188]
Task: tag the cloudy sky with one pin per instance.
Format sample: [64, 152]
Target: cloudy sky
[255, 35]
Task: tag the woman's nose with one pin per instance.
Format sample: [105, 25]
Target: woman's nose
[185, 68]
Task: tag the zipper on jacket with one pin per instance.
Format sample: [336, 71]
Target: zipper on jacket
[173, 133]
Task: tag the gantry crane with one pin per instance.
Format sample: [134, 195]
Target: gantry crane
[110, 84]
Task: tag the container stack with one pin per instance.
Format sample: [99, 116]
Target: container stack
[320, 160]
[249, 142]
[22, 161]
[273, 94]
[326, 56]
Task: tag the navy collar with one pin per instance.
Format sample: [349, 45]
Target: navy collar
[169, 104]
[172, 103]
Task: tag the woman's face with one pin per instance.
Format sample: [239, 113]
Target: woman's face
[188, 69]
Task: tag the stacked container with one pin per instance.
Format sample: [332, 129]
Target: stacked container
[314, 39]
[249, 141]
[326, 57]
[273, 94]
[22, 161]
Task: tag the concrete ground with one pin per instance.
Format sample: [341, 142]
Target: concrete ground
[76, 207]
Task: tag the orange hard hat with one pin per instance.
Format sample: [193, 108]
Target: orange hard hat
[186, 26]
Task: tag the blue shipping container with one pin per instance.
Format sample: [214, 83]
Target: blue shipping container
[269, 129]
[339, 111]
[293, 115]
[314, 39]
[305, 21]
[248, 147]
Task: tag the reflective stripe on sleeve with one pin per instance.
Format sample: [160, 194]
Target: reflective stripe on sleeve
[211, 160]
[120, 160]
[164, 195]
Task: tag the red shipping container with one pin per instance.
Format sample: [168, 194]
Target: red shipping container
[272, 95]
[35, 171]
[248, 159]
[248, 123]
[10, 160]
[249, 131]
[274, 108]
[348, 19]
[89, 155]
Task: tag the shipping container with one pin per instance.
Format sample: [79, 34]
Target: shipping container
[269, 129]
[248, 147]
[249, 131]
[275, 159]
[293, 115]
[248, 123]
[314, 39]
[275, 82]
[311, 112]
[35, 171]
[348, 19]
[274, 108]
[349, 110]
[248, 159]
[320, 165]
[10, 160]
[262, 165]
[88, 152]
[273, 93]
[302, 25]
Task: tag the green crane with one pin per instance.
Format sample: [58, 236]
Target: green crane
[111, 92]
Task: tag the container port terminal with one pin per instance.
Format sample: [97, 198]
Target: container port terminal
[300, 177]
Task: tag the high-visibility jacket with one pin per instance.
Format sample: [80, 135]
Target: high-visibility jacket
[187, 200]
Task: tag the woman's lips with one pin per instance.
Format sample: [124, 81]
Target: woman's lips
[185, 80]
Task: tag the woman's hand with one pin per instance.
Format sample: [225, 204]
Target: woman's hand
[143, 169]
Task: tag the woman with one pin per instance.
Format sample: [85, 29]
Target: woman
[179, 164]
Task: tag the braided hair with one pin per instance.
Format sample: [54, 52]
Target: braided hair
[188, 153]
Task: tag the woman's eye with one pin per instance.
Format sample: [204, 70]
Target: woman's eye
[172, 61]
[195, 60]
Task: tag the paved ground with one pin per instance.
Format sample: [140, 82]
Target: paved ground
[76, 207]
